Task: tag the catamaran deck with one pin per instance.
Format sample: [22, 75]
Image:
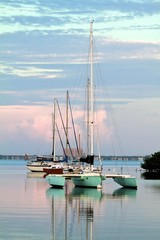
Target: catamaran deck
[116, 176]
[67, 175]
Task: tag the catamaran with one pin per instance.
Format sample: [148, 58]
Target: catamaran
[89, 177]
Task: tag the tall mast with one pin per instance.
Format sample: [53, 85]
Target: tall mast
[67, 123]
[91, 91]
[88, 119]
[54, 129]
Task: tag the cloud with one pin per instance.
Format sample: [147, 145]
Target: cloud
[43, 46]
[34, 124]
[117, 49]
[28, 123]
[90, 6]
[71, 18]
[29, 71]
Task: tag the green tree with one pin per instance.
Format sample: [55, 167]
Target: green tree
[152, 163]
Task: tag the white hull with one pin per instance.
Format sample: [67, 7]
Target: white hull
[38, 166]
[35, 168]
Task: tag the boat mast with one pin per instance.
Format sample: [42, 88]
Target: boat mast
[88, 118]
[54, 130]
[91, 91]
[67, 98]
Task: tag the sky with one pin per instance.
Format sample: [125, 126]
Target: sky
[43, 51]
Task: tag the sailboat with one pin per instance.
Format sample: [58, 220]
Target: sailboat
[92, 178]
[89, 177]
[55, 174]
[46, 161]
[38, 164]
[56, 167]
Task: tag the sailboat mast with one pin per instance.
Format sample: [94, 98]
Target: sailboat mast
[88, 118]
[67, 98]
[91, 91]
[54, 130]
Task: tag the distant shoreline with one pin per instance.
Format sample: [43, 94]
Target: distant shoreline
[31, 157]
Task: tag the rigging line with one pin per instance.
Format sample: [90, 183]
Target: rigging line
[111, 137]
[112, 115]
[113, 118]
[43, 134]
[73, 126]
[85, 62]
[84, 123]
[64, 128]
[98, 147]
[60, 140]
[98, 74]
[82, 74]
[115, 126]
[109, 120]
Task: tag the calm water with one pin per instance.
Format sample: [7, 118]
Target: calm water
[30, 209]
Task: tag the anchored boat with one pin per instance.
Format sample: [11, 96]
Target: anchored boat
[90, 177]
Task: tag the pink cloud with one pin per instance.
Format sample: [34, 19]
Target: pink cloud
[33, 124]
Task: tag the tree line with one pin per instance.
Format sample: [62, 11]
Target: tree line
[152, 163]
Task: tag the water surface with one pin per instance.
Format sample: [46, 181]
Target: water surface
[31, 209]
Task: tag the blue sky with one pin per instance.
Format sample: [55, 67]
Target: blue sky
[43, 45]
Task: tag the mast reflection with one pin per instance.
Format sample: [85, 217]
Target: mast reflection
[73, 209]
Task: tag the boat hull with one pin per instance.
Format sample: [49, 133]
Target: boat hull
[36, 168]
[90, 181]
[53, 170]
[56, 181]
[128, 182]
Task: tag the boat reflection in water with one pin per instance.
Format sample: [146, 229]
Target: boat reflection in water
[74, 210]
[35, 174]
[55, 193]
[91, 193]
[125, 193]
